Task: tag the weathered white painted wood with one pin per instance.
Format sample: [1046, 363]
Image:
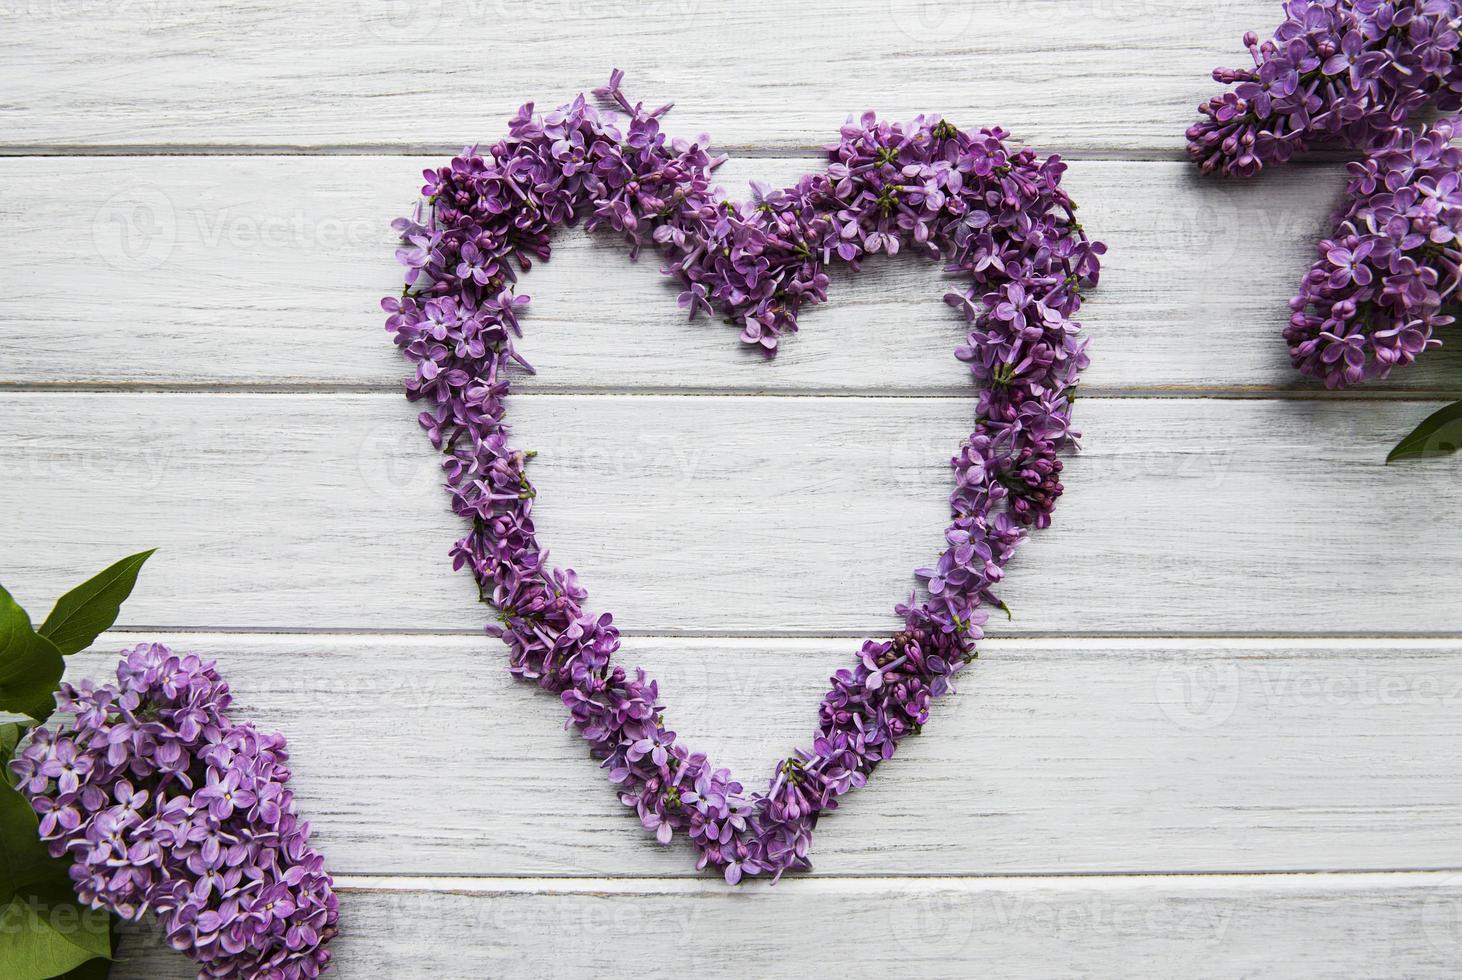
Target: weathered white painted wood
[1056, 756]
[1095, 74]
[735, 515]
[739, 515]
[1324, 926]
[268, 270]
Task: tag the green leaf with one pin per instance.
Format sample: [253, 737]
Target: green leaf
[25, 862]
[91, 608]
[9, 739]
[97, 969]
[44, 931]
[10, 736]
[46, 934]
[30, 664]
[1438, 434]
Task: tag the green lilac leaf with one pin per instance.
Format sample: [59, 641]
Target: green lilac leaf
[9, 738]
[46, 934]
[24, 860]
[26, 864]
[30, 664]
[91, 608]
[43, 929]
[95, 969]
[1438, 434]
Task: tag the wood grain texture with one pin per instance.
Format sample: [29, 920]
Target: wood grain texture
[735, 515]
[269, 270]
[1095, 74]
[1056, 756]
[1239, 651]
[1326, 926]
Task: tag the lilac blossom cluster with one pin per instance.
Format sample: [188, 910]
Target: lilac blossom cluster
[996, 216]
[164, 804]
[1336, 71]
[1374, 296]
[1355, 71]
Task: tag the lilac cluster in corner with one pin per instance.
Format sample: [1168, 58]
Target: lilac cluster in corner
[1374, 297]
[164, 804]
[1356, 72]
[1336, 71]
[1000, 222]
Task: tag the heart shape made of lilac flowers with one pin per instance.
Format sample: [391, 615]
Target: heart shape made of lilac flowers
[998, 218]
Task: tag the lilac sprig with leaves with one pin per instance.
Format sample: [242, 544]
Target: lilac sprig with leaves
[48, 931]
[152, 800]
[997, 218]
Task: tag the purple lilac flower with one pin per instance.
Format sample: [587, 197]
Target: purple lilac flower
[1374, 296]
[994, 214]
[1336, 71]
[164, 804]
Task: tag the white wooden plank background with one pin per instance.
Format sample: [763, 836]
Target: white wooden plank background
[1110, 74]
[1271, 925]
[287, 256]
[1233, 755]
[740, 514]
[1218, 738]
